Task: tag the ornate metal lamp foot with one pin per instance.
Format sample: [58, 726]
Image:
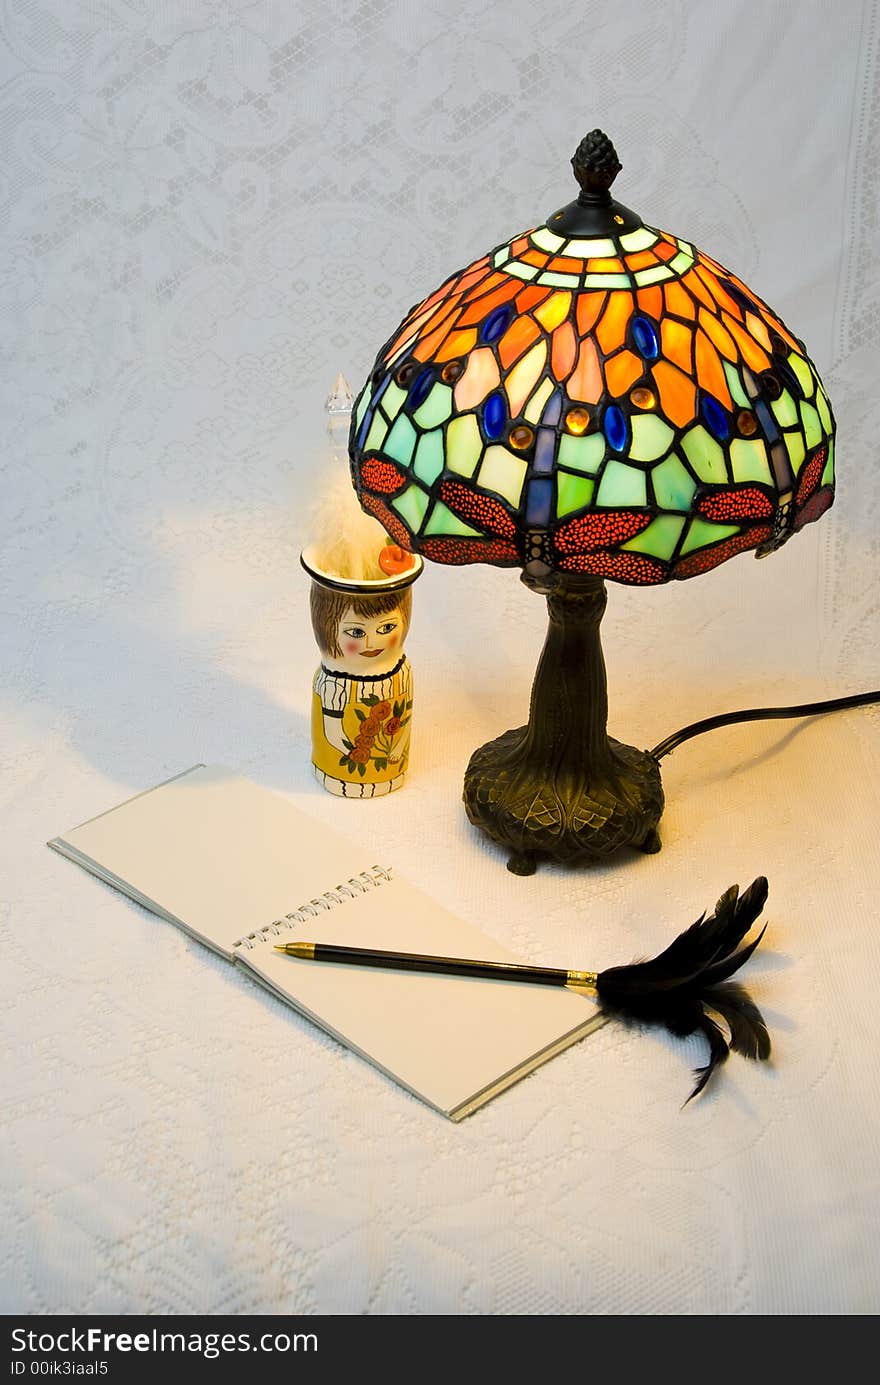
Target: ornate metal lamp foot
[561, 787]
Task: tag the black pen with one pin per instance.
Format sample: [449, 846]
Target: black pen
[450, 966]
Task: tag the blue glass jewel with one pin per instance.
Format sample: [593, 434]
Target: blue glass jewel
[422, 388]
[716, 419]
[496, 323]
[539, 502]
[614, 425]
[494, 415]
[645, 338]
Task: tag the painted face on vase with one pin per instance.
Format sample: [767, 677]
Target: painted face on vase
[369, 645]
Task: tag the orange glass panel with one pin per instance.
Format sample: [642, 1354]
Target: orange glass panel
[554, 311]
[564, 350]
[442, 316]
[589, 306]
[457, 344]
[611, 331]
[426, 347]
[679, 301]
[524, 376]
[650, 300]
[678, 394]
[475, 312]
[518, 337]
[714, 286]
[756, 327]
[710, 372]
[564, 264]
[535, 257]
[670, 240]
[620, 372]
[606, 266]
[477, 282]
[479, 379]
[530, 297]
[665, 251]
[754, 355]
[644, 259]
[694, 284]
[520, 244]
[718, 334]
[586, 381]
[481, 286]
[677, 344]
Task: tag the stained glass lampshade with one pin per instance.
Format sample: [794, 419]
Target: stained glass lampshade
[594, 399]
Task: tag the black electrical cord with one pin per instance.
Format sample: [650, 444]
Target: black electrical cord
[806, 709]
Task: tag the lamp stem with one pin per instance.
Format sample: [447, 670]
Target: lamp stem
[560, 787]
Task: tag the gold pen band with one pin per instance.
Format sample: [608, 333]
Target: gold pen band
[582, 978]
[306, 950]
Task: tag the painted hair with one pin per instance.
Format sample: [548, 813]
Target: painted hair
[329, 606]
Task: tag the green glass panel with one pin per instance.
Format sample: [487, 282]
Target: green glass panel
[535, 406]
[621, 485]
[673, 484]
[794, 442]
[812, 426]
[560, 281]
[429, 457]
[545, 239]
[659, 538]
[686, 246]
[824, 411]
[582, 454]
[785, 410]
[436, 408]
[400, 441]
[376, 436]
[748, 460]
[657, 273]
[828, 473]
[681, 262]
[392, 399]
[501, 255]
[638, 240]
[803, 373]
[411, 505]
[521, 271]
[701, 532]
[605, 281]
[572, 492]
[463, 444]
[504, 473]
[361, 409]
[596, 248]
[651, 437]
[443, 521]
[734, 384]
[704, 455]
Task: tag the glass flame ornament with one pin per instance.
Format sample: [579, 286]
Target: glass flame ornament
[594, 399]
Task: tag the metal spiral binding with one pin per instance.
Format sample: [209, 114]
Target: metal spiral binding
[349, 889]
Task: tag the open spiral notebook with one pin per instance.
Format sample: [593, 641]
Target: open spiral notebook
[239, 867]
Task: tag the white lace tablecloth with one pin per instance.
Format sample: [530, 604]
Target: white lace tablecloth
[207, 210]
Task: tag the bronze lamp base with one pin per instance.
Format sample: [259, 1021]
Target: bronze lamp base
[560, 787]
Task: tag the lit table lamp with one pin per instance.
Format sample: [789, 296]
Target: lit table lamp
[593, 399]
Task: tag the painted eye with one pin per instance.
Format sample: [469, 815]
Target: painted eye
[386, 628]
[354, 632]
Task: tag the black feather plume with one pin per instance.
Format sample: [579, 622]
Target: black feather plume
[683, 987]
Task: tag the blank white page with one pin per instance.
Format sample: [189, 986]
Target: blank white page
[453, 1040]
[214, 853]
